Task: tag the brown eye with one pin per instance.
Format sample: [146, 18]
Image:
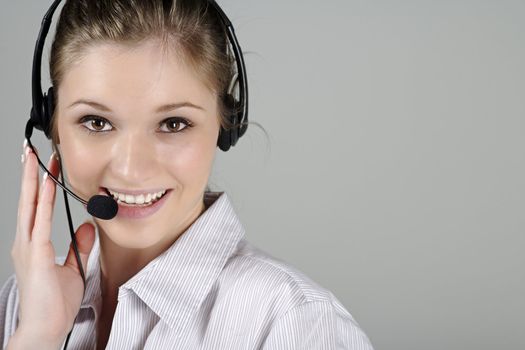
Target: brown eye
[174, 125]
[98, 124]
[95, 124]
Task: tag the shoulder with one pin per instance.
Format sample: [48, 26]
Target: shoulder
[8, 309]
[9, 289]
[290, 303]
[253, 268]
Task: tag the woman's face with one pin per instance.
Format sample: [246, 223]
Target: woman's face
[138, 121]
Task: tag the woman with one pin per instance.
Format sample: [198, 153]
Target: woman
[141, 98]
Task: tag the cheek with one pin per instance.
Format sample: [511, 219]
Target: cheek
[83, 165]
[192, 162]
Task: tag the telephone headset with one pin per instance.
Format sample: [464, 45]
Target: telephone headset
[105, 207]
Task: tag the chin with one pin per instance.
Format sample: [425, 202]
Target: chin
[135, 237]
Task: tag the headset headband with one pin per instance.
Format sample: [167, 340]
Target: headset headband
[43, 105]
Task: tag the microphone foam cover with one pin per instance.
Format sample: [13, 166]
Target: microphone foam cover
[102, 207]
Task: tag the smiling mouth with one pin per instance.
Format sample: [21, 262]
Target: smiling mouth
[136, 201]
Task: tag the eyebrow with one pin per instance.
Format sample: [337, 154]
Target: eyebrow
[164, 108]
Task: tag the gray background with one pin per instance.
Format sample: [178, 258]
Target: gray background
[393, 172]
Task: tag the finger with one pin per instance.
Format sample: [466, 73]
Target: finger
[41, 232]
[54, 166]
[28, 196]
[85, 237]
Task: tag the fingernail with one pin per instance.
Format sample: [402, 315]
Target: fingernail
[25, 144]
[44, 182]
[53, 156]
[22, 158]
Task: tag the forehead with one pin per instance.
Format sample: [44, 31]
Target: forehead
[146, 73]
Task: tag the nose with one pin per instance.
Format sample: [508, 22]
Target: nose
[134, 160]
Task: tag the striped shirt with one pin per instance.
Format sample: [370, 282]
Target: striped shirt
[210, 290]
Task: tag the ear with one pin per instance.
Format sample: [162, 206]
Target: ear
[55, 148]
[55, 140]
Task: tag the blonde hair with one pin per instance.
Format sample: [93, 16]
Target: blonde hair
[190, 28]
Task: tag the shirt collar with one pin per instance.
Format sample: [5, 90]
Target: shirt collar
[174, 284]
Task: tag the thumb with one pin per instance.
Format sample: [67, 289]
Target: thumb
[85, 237]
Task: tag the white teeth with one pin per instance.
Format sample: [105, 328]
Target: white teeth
[130, 199]
[140, 199]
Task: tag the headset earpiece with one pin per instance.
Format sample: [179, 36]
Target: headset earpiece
[49, 108]
[41, 114]
[228, 136]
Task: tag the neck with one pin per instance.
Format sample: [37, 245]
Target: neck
[118, 265]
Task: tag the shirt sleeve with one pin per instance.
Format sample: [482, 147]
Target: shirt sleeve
[316, 325]
[8, 310]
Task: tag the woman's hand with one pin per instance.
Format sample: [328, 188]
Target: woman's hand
[50, 294]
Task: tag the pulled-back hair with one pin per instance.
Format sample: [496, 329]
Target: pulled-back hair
[189, 28]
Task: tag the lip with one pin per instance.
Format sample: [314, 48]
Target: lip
[136, 212]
